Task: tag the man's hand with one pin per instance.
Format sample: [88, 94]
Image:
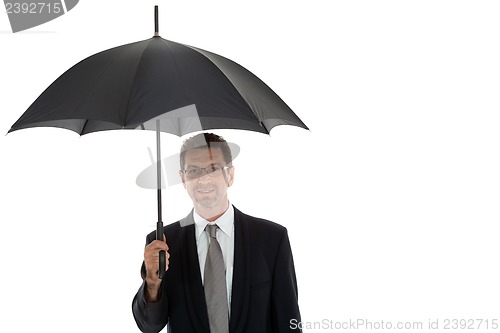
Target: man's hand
[152, 262]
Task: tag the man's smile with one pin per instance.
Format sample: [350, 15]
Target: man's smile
[205, 191]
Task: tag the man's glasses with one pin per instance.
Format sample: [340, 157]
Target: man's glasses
[213, 170]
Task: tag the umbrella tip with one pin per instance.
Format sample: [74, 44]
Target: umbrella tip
[157, 33]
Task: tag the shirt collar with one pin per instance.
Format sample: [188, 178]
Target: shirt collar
[225, 222]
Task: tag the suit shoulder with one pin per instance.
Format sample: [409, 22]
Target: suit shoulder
[261, 224]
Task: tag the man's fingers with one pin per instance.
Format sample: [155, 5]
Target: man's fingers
[156, 255]
[153, 264]
[157, 244]
[156, 261]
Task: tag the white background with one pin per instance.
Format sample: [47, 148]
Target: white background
[391, 199]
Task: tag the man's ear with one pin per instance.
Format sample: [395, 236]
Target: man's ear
[230, 176]
[181, 174]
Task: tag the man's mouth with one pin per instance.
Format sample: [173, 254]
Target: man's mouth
[205, 191]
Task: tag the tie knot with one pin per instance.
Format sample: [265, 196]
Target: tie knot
[211, 229]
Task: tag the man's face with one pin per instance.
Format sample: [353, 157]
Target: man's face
[209, 191]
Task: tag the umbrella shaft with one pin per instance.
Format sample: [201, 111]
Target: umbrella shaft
[159, 206]
[158, 169]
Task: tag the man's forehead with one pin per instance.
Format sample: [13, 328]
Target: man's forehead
[204, 154]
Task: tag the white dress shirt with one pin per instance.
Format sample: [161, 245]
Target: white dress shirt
[225, 237]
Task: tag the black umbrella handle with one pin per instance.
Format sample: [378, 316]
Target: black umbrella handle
[163, 263]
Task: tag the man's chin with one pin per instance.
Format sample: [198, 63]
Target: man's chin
[206, 203]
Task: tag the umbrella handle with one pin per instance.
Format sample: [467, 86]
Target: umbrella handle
[162, 264]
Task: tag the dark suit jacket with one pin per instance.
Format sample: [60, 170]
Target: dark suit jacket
[264, 292]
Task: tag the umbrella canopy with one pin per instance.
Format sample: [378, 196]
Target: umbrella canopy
[129, 85]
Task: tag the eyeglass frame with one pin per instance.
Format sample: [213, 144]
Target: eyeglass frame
[205, 171]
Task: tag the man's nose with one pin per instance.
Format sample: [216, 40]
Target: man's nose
[204, 178]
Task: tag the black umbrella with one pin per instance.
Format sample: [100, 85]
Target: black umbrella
[159, 85]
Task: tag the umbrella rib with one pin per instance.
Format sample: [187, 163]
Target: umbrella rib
[83, 128]
[131, 86]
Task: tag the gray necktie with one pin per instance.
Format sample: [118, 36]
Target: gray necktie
[215, 285]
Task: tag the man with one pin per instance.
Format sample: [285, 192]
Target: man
[226, 271]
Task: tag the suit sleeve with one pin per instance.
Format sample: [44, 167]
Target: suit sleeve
[151, 317]
[285, 306]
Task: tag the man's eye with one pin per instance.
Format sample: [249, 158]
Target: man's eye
[215, 167]
[193, 172]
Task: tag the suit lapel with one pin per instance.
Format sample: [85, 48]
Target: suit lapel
[241, 274]
[195, 295]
